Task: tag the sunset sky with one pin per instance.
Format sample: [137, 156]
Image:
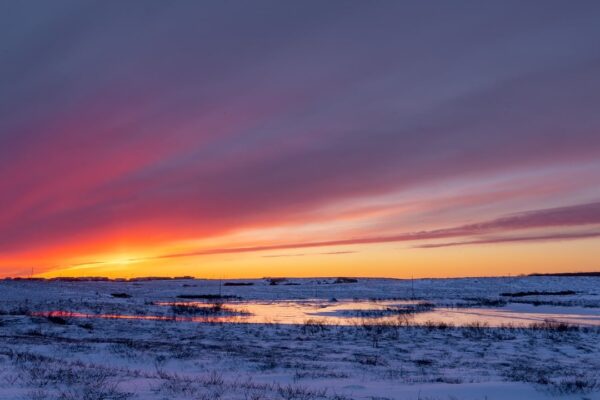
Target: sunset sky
[228, 139]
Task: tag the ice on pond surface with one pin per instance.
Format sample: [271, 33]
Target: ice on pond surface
[406, 312]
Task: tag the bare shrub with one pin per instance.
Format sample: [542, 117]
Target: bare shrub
[554, 326]
[313, 326]
[292, 392]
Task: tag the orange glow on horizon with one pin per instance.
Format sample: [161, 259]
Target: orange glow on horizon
[372, 260]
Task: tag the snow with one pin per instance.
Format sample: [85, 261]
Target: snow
[95, 358]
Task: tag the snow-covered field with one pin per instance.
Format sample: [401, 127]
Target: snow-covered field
[158, 345]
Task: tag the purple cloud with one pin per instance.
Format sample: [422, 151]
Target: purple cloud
[514, 239]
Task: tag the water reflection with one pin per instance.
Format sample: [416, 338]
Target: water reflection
[345, 313]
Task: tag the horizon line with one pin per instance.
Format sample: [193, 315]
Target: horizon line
[186, 277]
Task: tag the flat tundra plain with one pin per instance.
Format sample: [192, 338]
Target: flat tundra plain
[196, 339]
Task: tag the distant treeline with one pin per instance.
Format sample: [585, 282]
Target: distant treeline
[102, 279]
[569, 274]
[271, 281]
[538, 293]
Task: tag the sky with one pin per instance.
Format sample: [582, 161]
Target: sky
[236, 139]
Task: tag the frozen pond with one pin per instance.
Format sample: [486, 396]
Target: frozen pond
[356, 313]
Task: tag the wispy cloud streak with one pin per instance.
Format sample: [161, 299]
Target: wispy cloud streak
[570, 216]
[514, 239]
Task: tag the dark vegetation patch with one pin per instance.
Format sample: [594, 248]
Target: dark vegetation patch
[539, 293]
[345, 280]
[554, 326]
[190, 309]
[238, 284]
[586, 303]
[213, 309]
[276, 281]
[87, 325]
[209, 296]
[423, 362]
[407, 309]
[56, 320]
[482, 302]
